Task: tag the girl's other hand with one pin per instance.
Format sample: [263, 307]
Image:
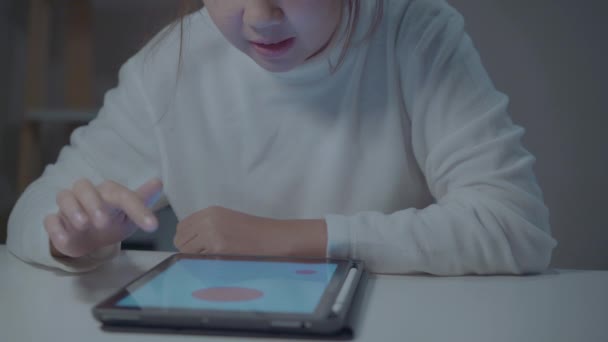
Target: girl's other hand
[91, 217]
[218, 230]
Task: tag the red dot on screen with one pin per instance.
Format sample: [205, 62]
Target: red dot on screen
[306, 272]
[227, 294]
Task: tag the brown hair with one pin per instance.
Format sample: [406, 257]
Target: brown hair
[354, 13]
[186, 7]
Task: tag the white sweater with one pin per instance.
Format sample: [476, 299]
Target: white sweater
[407, 151]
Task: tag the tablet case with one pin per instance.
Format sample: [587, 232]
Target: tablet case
[346, 334]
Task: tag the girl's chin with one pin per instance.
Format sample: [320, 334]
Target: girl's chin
[275, 66]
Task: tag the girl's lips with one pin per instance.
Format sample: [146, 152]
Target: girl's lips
[275, 50]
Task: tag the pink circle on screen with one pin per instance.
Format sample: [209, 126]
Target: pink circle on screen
[227, 294]
[306, 272]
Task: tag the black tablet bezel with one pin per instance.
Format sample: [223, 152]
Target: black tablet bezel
[321, 320]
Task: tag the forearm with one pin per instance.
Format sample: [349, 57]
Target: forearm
[468, 233]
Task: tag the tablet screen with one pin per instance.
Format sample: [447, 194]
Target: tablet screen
[234, 285]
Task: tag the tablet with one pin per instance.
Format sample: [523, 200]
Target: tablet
[269, 294]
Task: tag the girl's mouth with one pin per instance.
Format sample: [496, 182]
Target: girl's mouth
[274, 50]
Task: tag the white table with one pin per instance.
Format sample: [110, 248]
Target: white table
[37, 304]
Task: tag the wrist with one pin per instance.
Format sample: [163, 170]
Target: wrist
[306, 238]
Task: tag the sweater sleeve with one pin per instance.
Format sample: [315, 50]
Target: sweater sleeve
[118, 145]
[488, 216]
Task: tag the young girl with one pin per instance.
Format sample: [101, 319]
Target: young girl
[363, 129]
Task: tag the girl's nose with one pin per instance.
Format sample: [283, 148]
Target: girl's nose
[261, 14]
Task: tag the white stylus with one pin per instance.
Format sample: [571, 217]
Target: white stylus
[344, 291]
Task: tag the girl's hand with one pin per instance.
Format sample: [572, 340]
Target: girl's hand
[218, 230]
[91, 217]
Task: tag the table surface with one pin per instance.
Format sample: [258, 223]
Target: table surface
[561, 305]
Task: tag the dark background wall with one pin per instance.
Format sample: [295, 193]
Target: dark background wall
[550, 57]
[9, 54]
[120, 28]
[547, 55]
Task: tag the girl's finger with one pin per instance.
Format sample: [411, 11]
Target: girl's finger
[89, 198]
[182, 239]
[191, 245]
[72, 210]
[57, 234]
[130, 203]
[150, 192]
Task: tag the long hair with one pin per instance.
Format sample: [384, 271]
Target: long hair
[354, 16]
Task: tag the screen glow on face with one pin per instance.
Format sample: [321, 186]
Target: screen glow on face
[235, 285]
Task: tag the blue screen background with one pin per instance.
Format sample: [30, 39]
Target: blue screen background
[285, 290]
